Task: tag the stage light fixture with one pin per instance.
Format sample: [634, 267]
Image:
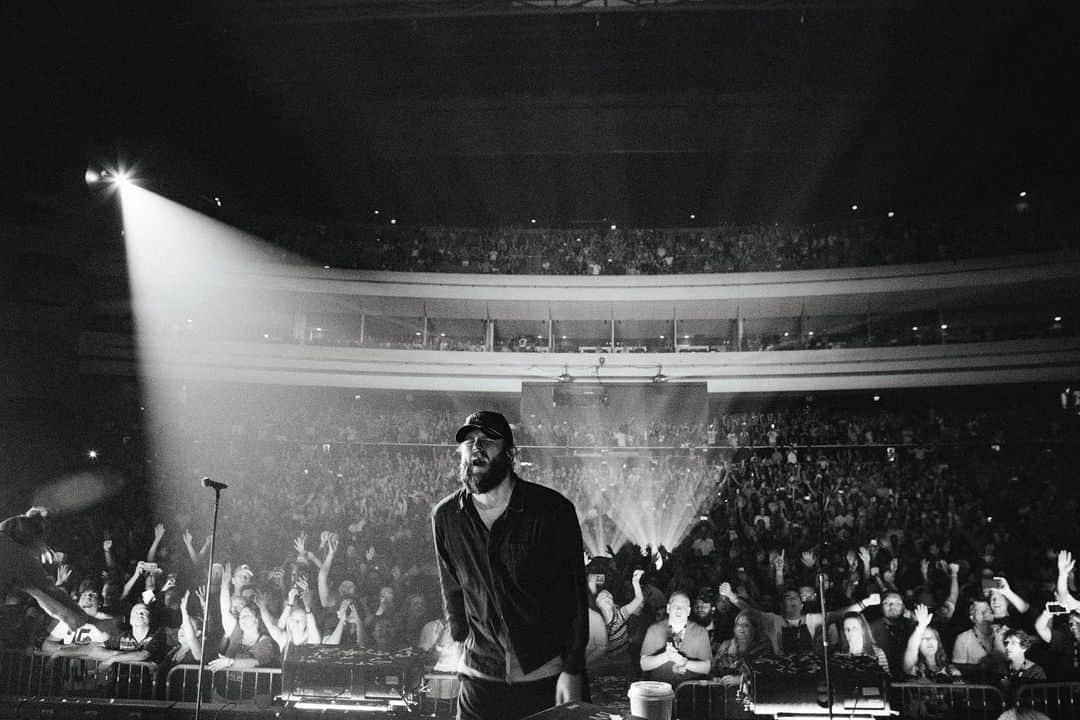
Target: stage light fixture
[92, 176]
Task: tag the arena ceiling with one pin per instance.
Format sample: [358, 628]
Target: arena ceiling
[571, 113]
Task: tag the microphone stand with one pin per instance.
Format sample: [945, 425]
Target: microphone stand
[821, 594]
[218, 487]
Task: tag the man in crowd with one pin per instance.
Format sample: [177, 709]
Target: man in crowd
[86, 640]
[981, 646]
[511, 562]
[676, 649]
[891, 632]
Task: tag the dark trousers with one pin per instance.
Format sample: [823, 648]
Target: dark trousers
[493, 700]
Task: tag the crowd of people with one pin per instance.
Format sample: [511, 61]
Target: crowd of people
[942, 560]
[613, 250]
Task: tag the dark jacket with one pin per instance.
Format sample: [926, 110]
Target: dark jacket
[524, 579]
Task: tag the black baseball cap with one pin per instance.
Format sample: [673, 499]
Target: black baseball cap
[490, 423]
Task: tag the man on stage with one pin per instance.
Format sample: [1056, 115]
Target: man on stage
[513, 581]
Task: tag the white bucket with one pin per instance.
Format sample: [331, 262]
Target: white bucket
[651, 700]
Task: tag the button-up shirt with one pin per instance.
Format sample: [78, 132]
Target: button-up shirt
[522, 581]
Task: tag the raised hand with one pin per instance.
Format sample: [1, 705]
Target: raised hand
[954, 568]
[864, 555]
[106, 543]
[184, 601]
[1003, 584]
[63, 573]
[187, 537]
[332, 542]
[872, 599]
[922, 616]
[169, 584]
[200, 592]
[635, 579]
[159, 531]
[300, 544]
[1065, 563]
[809, 559]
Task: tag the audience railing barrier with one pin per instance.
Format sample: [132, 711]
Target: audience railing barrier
[936, 701]
[23, 673]
[708, 700]
[35, 674]
[1060, 701]
[258, 686]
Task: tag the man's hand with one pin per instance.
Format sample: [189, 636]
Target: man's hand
[809, 559]
[159, 531]
[187, 537]
[106, 543]
[300, 545]
[568, 688]
[63, 574]
[635, 579]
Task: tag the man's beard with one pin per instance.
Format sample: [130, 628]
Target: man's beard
[479, 479]
[703, 619]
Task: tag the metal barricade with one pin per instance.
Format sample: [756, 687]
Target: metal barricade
[708, 700]
[23, 673]
[936, 701]
[258, 686]
[30, 673]
[132, 681]
[439, 694]
[1060, 701]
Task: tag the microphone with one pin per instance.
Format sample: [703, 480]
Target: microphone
[208, 483]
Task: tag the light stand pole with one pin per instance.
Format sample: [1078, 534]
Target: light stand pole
[218, 487]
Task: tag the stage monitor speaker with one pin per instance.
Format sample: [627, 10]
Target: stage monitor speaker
[328, 673]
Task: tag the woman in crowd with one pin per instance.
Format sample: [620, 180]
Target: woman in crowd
[856, 640]
[748, 643]
[190, 647]
[616, 617]
[349, 630]
[925, 657]
[249, 645]
[300, 626]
